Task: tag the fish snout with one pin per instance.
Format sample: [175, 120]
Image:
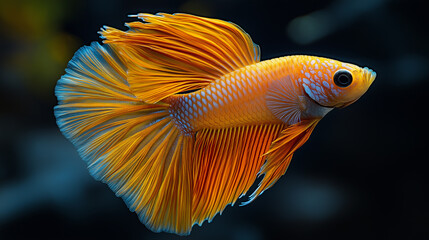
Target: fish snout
[369, 75]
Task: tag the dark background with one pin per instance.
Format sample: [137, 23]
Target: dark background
[362, 174]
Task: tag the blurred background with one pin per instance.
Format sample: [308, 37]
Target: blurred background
[362, 174]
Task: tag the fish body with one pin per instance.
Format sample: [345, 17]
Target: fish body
[247, 96]
[235, 99]
[179, 116]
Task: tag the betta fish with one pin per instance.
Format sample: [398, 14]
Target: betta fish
[179, 116]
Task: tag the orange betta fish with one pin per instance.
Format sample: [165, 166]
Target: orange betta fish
[179, 116]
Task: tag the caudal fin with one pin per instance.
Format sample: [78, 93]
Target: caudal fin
[132, 146]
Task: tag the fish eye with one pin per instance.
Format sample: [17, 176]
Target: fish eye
[343, 78]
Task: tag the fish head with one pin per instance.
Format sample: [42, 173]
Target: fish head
[332, 83]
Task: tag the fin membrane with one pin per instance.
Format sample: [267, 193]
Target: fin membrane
[132, 146]
[283, 99]
[169, 54]
[281, 152]
[226, 164]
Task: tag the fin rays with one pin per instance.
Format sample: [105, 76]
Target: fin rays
[226, 165]
[132, 146]
[168, 54]
[281, 152]
[283, 100]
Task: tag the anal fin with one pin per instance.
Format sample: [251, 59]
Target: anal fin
[281, 152]
[226, 163]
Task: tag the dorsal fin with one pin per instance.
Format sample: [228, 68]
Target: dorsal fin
[169, 54]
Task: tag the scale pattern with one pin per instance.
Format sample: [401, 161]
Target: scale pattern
[236, 99]
[239, 98]
[316, 78]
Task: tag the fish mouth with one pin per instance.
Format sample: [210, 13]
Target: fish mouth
[369, 75]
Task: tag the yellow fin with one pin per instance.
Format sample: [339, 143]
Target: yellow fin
[132, 146]
[281, 152]
[169, 54]
[226, 163]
